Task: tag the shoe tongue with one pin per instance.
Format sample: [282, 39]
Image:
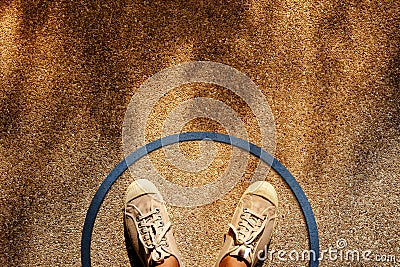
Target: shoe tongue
[242, 252]
[158, 255]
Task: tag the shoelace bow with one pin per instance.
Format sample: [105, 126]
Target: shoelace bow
[249, 228]
[152, 232]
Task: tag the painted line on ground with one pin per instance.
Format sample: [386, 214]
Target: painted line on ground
[196, 136]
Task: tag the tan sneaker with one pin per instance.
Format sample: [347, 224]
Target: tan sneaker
[148, 225]
[252, 224]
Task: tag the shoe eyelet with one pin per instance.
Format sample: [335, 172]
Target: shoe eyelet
[157, 210]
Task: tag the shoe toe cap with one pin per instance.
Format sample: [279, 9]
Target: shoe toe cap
[265, 190]
[141, 187]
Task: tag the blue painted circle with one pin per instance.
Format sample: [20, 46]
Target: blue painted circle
[196, 136]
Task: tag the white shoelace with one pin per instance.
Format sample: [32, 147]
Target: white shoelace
[152, 232]
[250, 226]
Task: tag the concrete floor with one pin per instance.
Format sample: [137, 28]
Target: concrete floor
[328, 69]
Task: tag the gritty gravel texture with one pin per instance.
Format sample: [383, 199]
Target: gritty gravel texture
[68, 69]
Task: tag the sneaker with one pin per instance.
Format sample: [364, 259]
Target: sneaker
[253, 221]
[148, 225]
